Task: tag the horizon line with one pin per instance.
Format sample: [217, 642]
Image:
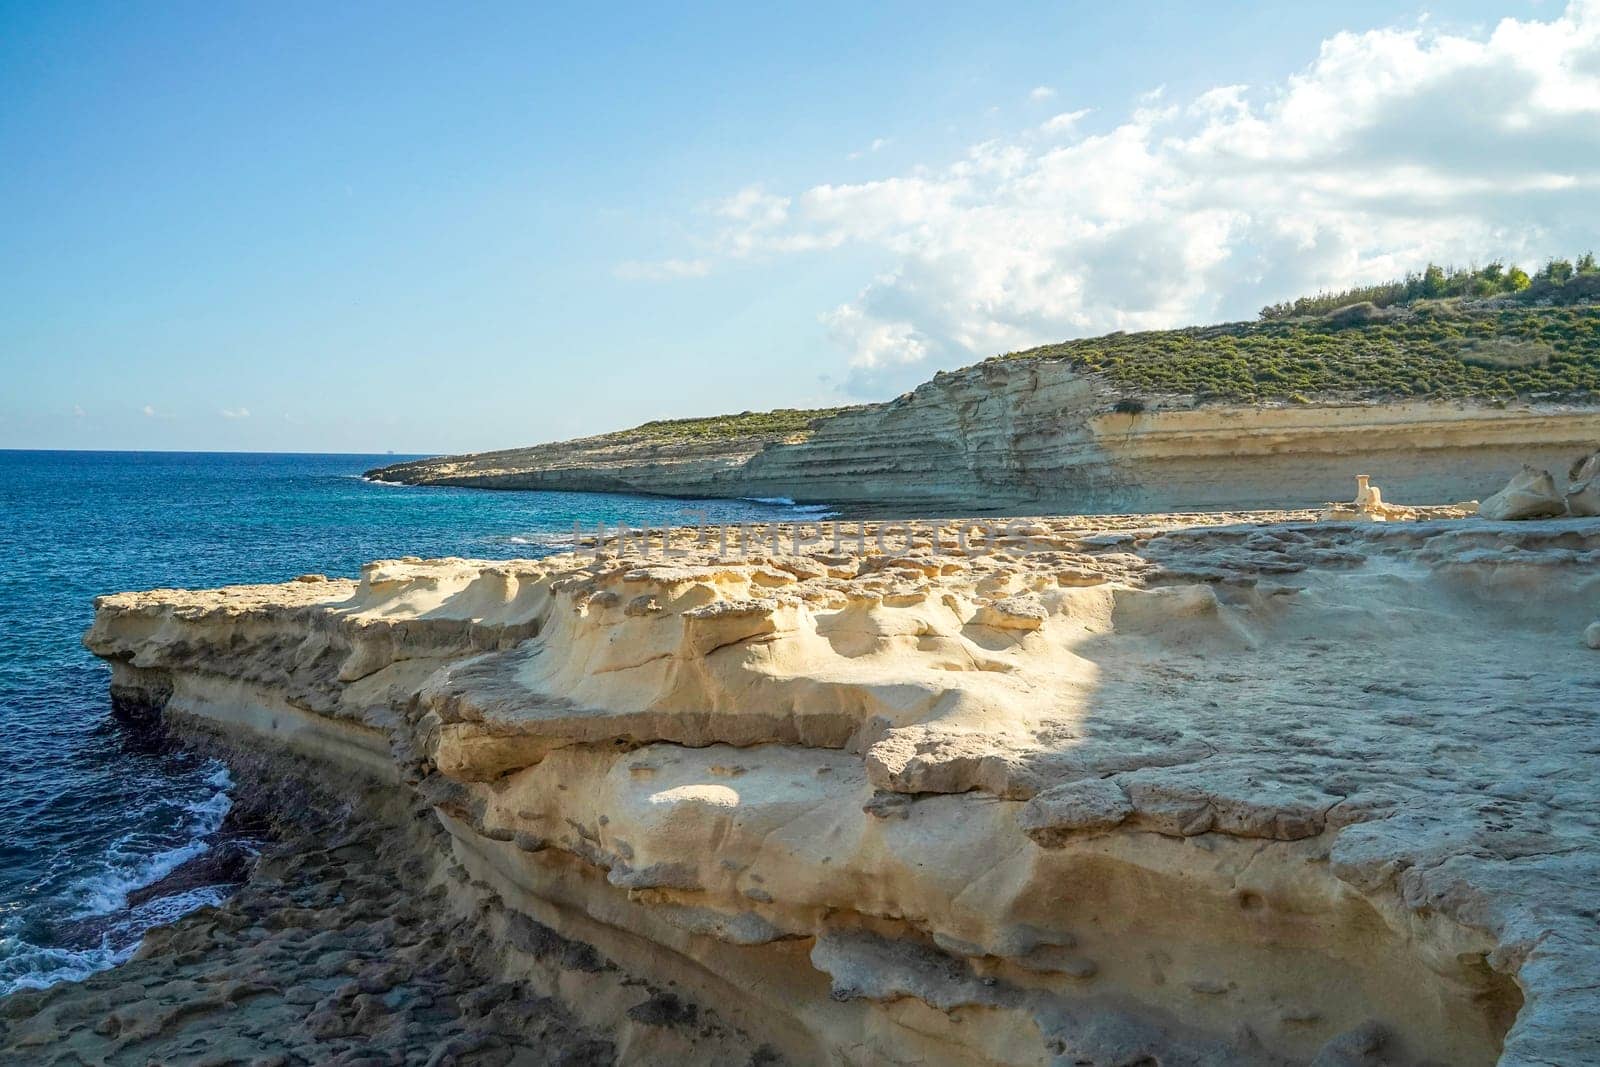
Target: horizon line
[217, 452]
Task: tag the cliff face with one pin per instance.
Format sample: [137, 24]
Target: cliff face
[609, 463]
[1209, 795]
[1038, 435]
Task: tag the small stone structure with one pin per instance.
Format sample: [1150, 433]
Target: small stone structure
[1368, 506]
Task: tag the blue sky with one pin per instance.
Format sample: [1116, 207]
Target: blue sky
[428, 228]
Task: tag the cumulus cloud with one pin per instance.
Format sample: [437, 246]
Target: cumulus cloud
[1387, 150]
[235, 413]
[1041, 92]
[149, 412]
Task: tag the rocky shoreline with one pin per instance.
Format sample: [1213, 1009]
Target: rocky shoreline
[350, 941]
[1215, 789]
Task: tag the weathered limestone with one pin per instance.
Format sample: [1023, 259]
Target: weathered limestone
[1531, 494]
[1257, 791]
[1583, 489]
[1036, 433]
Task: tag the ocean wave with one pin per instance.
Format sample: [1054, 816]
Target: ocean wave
[99, 900]
[129, 865]
[820, 511]
[163, 910]
[28, 966]
[551, 539]
[24, 965]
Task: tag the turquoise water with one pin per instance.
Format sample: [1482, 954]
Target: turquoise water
[92, 811]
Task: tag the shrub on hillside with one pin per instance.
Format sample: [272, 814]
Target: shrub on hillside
[1357, 314]
[1440, 283]
[1502, 353]
[1446, 351]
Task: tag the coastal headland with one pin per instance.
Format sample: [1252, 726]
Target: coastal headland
[1443, 398]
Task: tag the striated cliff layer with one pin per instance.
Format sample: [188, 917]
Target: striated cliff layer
[624, 462]
[1099, 792]
[1038, 434]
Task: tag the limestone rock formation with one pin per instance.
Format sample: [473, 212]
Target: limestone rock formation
[1038, 433]
[1531, 494]
[1211, 790]
[1583, 490]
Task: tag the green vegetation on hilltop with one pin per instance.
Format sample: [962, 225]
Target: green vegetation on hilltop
[1432, 350]
[780, 422]
[1560, 281]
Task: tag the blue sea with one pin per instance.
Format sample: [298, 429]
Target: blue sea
[90, 811]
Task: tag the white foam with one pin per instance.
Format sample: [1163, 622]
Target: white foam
[26, 966]
[130, 868]
[810, 510]
[164, 910]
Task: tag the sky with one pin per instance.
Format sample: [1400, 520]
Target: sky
[442, 228]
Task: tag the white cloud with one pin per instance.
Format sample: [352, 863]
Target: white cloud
[235, 413]
[1389, 149]
[1041, 92]
[149, 412]
[665, 270]
[1063, 122]
[78, 412]
[876, 145]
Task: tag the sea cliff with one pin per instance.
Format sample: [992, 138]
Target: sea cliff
[1091, 791]
[1440, 401]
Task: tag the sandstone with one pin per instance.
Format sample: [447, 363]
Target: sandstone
[1531, 494]
[1583, 489]
[1039, 433]
[1226, 795]
[1091, 804]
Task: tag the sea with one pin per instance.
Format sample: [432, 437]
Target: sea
[93, 812]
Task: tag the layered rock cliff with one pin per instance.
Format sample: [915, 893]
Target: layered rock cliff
[1084, 792]
[1041, 434]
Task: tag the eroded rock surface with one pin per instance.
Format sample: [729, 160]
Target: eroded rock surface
[1106, 791]
[1583, 488]
[357, 941]
[1531, 494]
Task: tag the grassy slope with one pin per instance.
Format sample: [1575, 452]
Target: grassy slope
[779, 422]
[1441, 351]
